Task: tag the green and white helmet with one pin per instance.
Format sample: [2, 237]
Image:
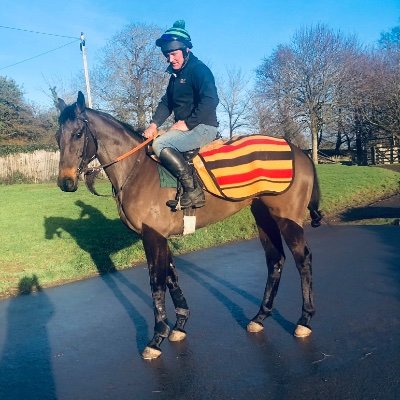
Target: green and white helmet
[175, 38]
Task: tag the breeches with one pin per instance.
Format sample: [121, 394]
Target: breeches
[185, 141]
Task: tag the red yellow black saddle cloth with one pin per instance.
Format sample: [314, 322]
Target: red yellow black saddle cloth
[246, 166]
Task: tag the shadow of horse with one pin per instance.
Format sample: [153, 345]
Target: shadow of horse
[204, 277]
[100, 244]
[94, 233]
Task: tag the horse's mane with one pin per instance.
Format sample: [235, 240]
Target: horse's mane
[128, 127]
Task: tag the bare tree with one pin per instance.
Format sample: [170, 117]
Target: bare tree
[376, 96]
[381, 92]
[234, 96]
[390, 40]
[58, 86]
[273, 102]
[302, 81]
[130, 75]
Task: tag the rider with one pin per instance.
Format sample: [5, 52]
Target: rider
[192, 96]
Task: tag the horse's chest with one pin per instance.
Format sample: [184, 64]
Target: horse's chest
[136, 215]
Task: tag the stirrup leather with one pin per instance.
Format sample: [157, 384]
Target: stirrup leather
[175, 203]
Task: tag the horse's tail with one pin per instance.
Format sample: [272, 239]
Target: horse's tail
[313, 205]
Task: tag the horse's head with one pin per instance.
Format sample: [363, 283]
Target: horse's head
[76, 142]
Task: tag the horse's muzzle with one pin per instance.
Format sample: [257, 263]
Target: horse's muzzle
[67, 184]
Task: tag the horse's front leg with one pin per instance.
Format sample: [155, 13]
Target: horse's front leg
[157, 254]
[181, 308]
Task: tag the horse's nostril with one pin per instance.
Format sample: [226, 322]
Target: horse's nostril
[70, 185]
[67, 185]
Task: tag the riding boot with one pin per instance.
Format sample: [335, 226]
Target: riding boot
[174, 162]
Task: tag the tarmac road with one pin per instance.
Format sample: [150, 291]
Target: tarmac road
[83, 340]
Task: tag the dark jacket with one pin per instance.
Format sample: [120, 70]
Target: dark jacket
[191, 94]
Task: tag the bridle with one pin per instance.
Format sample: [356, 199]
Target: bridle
[85, 161]
[89, 174]
[82, 168]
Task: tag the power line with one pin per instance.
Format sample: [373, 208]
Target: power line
[39, 33]
[41, 54]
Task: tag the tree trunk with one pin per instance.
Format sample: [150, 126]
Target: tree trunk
[338, 142]
[360, 156]
[359, 144]
[141, 114]
[314, 138]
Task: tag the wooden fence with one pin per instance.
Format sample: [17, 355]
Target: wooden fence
[381, 154]
[39, 166]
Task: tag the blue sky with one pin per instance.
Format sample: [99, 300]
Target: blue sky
[225, 33]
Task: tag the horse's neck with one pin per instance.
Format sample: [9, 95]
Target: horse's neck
[112, 137]
[113, 140]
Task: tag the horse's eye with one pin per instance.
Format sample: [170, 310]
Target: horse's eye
[78, 134]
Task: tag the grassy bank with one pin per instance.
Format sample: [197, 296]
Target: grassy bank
[60, 237]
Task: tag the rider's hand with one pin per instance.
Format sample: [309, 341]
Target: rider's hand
[151, 131]
[179, 126]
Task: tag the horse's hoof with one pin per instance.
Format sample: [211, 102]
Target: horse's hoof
[149, 353]
[254, 327]
[176, 336]
[302, 331]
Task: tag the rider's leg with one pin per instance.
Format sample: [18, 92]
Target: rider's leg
[185, 140]
[176, 142]
[175, 163]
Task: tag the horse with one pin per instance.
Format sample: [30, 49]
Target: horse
[85, 134]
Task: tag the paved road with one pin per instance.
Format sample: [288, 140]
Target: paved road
[83, 340]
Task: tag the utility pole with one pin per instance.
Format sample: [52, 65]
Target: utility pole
[85, 69]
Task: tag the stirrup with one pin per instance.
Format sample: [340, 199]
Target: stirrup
[173, 204]
[197, 202]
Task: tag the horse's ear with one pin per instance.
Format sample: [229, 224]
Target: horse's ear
[61, 104]
[80, 102]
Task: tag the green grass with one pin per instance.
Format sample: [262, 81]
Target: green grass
[58, 237]
[349, 186]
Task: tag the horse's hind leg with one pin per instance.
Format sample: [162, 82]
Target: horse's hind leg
[272, 243]
[181, 308]
[294, 238]
[157, 254]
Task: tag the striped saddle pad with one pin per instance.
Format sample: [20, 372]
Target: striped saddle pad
[246, 166]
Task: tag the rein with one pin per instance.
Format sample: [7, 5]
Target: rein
[85, 170]
[91, 173]
[120, 158]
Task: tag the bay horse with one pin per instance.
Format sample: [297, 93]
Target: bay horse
[85, 133]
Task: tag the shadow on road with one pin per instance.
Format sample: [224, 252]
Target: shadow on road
[369, 212]
[25, 364]
[391, 258]
[198, 274]
[100, 244]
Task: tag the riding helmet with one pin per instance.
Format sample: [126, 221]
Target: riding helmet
[175, 38]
